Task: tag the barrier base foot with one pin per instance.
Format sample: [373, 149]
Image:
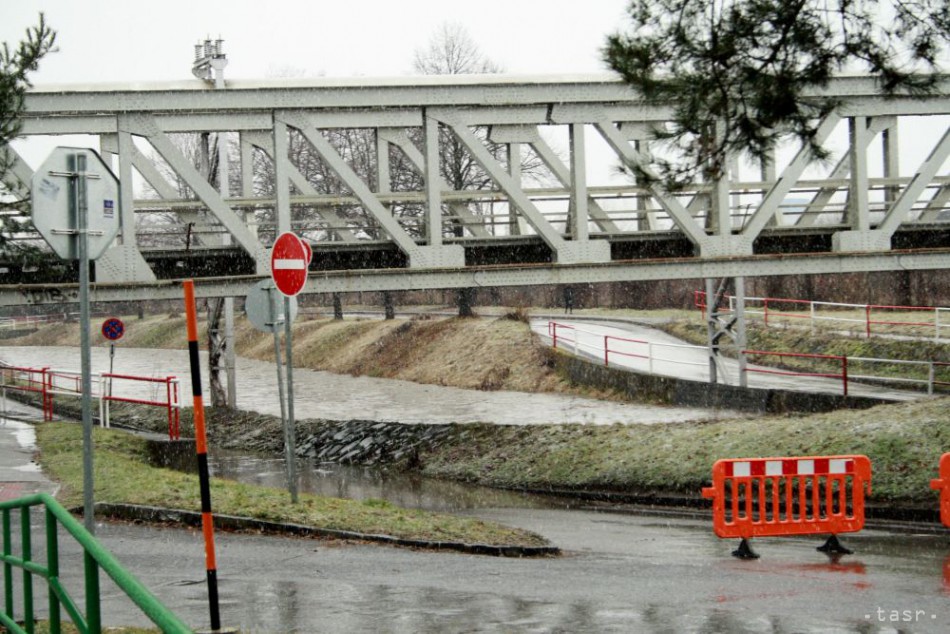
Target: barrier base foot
[833, 547]
[744, 551]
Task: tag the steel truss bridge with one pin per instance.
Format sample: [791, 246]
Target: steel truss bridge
[380, 215]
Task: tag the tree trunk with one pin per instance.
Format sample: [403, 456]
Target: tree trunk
[337, 306]
[388, 309]
[466, 300]
[216, 345]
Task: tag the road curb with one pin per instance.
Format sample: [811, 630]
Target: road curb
[158, 515]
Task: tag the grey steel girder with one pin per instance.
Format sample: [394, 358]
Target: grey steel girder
[721, 219]
[474, 277]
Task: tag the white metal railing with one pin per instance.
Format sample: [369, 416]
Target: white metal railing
[927, 367]
[924, 322]
[603, 347]
[27, 321]
[54, 383]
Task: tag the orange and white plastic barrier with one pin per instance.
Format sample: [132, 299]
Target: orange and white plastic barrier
[770, 497]
[942, 484]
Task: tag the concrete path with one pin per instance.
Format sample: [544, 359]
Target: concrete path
[651, 351]
[19, 474]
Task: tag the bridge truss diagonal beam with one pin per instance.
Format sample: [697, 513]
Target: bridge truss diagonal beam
[352, 180]
[400, 139]
[144, 126]
[564, 251]
[265, 143]
[531, 136]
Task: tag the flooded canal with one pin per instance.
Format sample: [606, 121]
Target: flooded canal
[343, 397]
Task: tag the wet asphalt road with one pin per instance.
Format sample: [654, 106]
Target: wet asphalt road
[619, 573]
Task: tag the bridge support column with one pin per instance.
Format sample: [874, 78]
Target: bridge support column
[860, 241]
[725, 246]
[579, 252]
[728, 322]
[437, 256]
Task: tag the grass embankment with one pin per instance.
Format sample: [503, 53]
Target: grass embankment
[903, 441]
[123, 475]
[484, 354]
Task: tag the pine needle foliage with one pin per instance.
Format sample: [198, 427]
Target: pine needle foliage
[741, 74]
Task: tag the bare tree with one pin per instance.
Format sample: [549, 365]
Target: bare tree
[452, 51]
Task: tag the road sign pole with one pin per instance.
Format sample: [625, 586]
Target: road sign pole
[278, 320]
[107, 419]
[77, 165]
[291, 424]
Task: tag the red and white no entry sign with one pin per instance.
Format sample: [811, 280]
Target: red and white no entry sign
[288, 263]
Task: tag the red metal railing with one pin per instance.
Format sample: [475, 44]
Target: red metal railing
[49, 383]
[773, 307]
[872, 307]
[633, 355]
[36, 380]
[552, 332]
[843, 361]
[171, 402]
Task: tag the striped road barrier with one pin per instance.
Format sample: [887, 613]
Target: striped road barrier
[942, 484]
[771, 497]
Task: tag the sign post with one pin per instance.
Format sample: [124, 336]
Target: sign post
[112, 329]
[290, 258]
[79, 222]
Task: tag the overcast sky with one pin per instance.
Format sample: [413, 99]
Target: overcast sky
[108, 41]
[127, 40]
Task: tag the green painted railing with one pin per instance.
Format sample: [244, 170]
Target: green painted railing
[95, 556]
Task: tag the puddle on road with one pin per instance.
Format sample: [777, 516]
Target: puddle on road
[24, 433]
[408, 490]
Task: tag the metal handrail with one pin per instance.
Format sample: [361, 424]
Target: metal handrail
[95, 557]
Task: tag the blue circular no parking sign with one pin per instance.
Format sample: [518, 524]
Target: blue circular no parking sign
[113, 328]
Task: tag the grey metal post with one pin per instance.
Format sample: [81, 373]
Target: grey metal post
[290, 429]
[711, 327]
[229, 364]
[105, 419]
[78, 205]
[278, 320]
[741, 343]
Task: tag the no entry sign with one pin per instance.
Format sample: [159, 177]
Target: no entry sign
[288, 263]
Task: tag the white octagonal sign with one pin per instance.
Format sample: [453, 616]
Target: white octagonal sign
[54, 188]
